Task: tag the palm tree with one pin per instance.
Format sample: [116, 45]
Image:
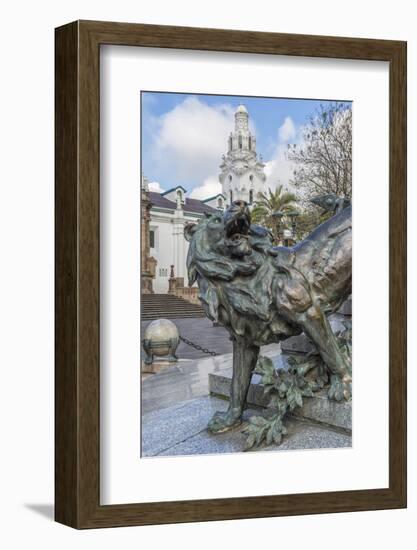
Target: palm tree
[268, 203]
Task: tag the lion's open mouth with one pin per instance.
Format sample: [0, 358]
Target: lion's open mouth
[237, 224]
[237, 228]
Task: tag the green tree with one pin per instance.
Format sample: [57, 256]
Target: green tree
[268, 203]
[309, 218]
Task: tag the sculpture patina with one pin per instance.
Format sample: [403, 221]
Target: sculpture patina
[263, 294]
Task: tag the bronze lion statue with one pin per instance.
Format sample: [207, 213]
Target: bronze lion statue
[263, 294]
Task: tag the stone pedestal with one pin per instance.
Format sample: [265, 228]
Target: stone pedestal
[175, 283]
[317, 409]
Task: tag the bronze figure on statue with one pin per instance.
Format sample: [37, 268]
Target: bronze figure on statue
[263, 294]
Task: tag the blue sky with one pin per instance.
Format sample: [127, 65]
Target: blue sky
[184, 136]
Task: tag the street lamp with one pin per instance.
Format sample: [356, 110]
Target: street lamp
[278, 215]
[293, 215]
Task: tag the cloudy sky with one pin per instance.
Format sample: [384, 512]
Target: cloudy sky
[184, 137]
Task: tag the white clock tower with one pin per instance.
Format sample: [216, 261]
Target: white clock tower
[242, 174]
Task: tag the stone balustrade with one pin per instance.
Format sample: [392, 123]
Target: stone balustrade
[177, 288]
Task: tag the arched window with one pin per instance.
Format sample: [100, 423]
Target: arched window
[240, 142]
[251, 196]
[250, 143]
[230, 177]
[220, 203]
[231, 196]
[230, 143]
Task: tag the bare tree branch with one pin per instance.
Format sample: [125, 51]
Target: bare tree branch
[324, 160]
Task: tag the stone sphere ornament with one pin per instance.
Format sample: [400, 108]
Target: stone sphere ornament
[161, 339]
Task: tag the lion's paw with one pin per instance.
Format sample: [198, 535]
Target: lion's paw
[222, 422]
[340, 389]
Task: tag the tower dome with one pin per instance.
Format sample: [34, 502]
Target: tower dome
[241, 109]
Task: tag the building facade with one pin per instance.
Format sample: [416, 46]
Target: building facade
[169, 213]
[242, 178]
[148, 262]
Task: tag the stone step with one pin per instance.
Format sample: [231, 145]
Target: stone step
[168, 316]
[160, 314]
[153, 297]
[160, 297]
[316, 409]
[170, 309]
[171, 304]
[157, 306]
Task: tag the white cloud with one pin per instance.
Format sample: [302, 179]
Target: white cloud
[155, 186]
[189, 142]
[210, 187]
[191, 138]
[287, 130]
[278, 169]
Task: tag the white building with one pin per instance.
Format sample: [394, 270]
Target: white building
[242, 177]
[170, 212]
[242, 173]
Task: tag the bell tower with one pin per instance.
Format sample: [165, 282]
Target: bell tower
[242, 174]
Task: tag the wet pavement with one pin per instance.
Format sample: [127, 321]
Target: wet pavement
[181, 430]
[186, 380]
[176, 403]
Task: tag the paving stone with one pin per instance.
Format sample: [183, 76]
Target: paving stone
[304, 435]
[181, 430]
[165, 428]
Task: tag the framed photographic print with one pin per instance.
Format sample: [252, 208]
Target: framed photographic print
[230, 274]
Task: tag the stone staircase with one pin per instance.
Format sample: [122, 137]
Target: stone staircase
[167, 306]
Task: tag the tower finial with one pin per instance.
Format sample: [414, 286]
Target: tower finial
[241, 119]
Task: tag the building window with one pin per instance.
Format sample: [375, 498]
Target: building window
[250, 143]
[152, 239]
[220, 203]
[163, 272]
[230, 143]
[230, 177]
[231, 197]
[251, 196]
[240, 142]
